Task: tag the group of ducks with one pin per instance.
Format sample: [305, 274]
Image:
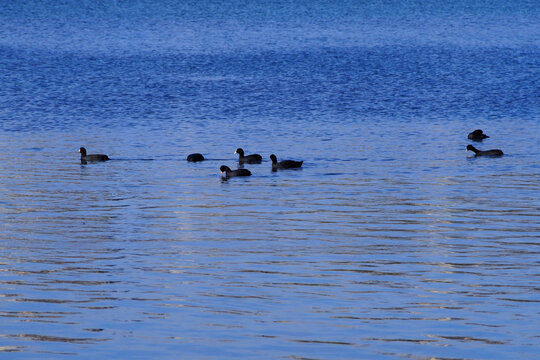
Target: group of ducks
[248, 159]
[225, 170]
[478, 135]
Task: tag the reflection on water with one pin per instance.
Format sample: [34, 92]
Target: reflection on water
[390, 242]
[365, 252]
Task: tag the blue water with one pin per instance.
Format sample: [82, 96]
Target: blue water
[391, 242]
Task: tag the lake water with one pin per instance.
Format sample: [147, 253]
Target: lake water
[391, 241]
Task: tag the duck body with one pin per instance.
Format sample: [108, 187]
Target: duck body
[284, 164]
[92, 157]
[477, 135]
[493, 152]
[227, 172]
[249, 159]
[195, 157]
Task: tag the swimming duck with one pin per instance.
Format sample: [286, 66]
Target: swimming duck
[250, 159]
[232, 173]
[195, 157]
[284, 164]
[92, 157]
[477, 135]
[494, 152]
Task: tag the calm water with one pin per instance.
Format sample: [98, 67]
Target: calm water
[391, 242]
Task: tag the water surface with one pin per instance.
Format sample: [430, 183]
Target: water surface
[390, 242]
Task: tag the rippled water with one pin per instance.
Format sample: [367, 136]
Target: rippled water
[390, 242]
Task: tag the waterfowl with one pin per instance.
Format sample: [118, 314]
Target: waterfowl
[494, 152]
[92, 157]
[284, 164]
[195, 157]
[477, 135]
[231, 173]
[250, 159]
